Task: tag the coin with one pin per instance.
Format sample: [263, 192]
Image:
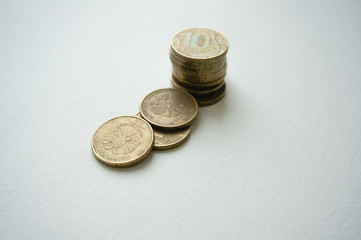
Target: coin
[213, 62]
[213, 98]
[199, 63]
[122, 141]
[197, 91]
[198, 85]
[169, 108]
[200, 76]
[164, 140]
[199, 43]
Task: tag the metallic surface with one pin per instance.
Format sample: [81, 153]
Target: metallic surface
[169, 108]
[199, 43]
[196, 92]
[164, 140]
[199, 64]
[198, 85]
[212, 99]
[122, 141]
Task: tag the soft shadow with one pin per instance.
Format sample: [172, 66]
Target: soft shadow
[221, 109]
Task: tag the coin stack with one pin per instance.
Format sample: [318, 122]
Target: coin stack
[198, 57]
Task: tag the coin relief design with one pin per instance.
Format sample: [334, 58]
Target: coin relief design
[200, 43]
[169, 108]
[166, 105]
[122, 141]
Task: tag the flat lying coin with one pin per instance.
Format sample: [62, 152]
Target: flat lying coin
[122, 141]
[169, 108]
[167, 140]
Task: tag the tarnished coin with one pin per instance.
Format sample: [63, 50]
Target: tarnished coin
[122, 141]
[199, 43]
[164, 140]
[169, 108]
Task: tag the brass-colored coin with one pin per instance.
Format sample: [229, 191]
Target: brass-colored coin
[164, 140]
[213, 62]
[197, 85]
[122, 141]
[169, 108]
[200, 76]
[197, 62]
[200, 69]
[199, 43]
[197, 91]
[213, 98]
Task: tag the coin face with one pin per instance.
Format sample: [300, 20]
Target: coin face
[122, 141]
[169, 108]
[199, 43]
[164, 140]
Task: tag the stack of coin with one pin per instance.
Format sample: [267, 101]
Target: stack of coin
[163, 123]
[198, 57]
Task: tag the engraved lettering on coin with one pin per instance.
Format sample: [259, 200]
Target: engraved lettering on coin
[200, 43]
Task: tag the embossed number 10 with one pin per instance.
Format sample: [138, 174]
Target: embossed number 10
[200, 40]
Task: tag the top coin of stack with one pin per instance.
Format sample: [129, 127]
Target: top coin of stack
[198, 57]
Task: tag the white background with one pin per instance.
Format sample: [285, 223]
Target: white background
[278, 158]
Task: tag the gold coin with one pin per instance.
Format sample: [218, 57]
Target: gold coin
[213, 98]
[197, 91]
[196, 62]
[200, 76]
[169, 108]
[213, 62]
[122, 141]
[199, 71]
[164, 140]
[197, 85]
[199, 43]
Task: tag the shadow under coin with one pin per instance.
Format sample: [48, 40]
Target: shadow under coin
[137, 167]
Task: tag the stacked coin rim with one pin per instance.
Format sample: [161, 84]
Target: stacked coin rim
[204, 78]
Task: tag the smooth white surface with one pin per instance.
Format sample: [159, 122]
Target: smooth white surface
[278, 158]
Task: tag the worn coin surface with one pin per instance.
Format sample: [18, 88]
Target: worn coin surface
[199, 43]
[164, 140]
[122, 141]
[169, 108]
